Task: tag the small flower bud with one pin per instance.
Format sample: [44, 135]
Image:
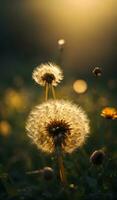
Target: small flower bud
[48, 173]
[97, 71]
[97, 157]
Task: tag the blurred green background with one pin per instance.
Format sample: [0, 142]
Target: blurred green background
[29, 34]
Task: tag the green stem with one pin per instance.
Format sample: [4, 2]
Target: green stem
[53, 92]
[46, 91]
[61, 166]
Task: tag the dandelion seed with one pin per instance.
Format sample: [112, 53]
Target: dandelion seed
[97, 157]
[58, 123]
[47, 74]
[97, 71]
[109, 113]
[61, 43]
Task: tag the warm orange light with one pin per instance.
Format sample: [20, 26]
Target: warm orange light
[84, 3]
[5, 128]
[80, 86]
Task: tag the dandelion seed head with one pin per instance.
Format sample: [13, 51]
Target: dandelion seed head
[47, 74]
[58, 122]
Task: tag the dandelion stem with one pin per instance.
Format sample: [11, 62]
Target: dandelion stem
[33, 172]
[61, 166]
[53, 92]
[46, 91]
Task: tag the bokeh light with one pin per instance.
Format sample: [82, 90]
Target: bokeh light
[80, 86]
[61, 42]
[5, 128]
[15, 100]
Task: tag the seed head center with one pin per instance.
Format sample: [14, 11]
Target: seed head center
[48, 78]
[59, 131]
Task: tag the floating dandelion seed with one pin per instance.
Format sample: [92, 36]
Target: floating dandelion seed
[61, 43]
[58, 123]
[47, 74]
[97, 157]
[80, 86]
[97, 71]
[109, 113]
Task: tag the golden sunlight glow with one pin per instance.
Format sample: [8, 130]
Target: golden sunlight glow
[80, 86]
[86, 25]
[84, 3]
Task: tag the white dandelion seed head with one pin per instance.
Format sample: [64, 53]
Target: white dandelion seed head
[47, 73]
[58, 121]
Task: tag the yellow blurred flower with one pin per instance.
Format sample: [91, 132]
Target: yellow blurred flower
[15, 100]
[5, 128]
[109, 113]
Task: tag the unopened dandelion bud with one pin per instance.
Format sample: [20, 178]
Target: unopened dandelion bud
[48, 173]
[97, 157]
